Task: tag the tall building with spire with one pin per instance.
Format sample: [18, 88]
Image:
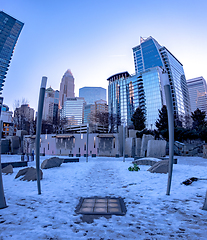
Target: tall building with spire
[10, 29]
[66, 88]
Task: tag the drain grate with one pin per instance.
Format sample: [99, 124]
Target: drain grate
[101, 206]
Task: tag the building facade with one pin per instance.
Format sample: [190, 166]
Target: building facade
[88, 113]
[151, 54]
[145, 89]
[24, 117]
[10, 29]
[8, 127]
[50, 108]
[92, 110]
[67, 87]
[72, 110]
[92, 94]
[198, 93]
[127, 92]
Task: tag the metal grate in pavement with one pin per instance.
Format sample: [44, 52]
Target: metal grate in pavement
[101, 206]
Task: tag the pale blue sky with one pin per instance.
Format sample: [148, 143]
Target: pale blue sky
[95, 38]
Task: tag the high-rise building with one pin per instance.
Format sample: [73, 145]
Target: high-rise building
[151, 54]
[25, 112]
[73, 110]
[127, 92]
[88, 113]
[10, 29]
[145, 89]
[23, 118]
[66, 88]
[91, 111]
[8, 126]
[50, 108]
[92, 94]
[198, 93]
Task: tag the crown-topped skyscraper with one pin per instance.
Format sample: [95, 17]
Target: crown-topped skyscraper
[66, 88]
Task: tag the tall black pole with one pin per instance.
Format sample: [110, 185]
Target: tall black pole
[124, 138]
[38, 129]
[205, 203]
[2, 197]
[87, 143]
[170, 114]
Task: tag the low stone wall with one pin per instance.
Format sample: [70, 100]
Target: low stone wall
[145, 139]
[156, 148]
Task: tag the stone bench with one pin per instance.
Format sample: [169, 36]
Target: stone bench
[14, 164]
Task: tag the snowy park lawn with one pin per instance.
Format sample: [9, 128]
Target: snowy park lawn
[151, 214]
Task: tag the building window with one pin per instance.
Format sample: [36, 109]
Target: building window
[114, 143]
[48, 146]
[84, 146]
[94, 142]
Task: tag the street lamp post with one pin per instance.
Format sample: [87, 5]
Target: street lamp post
[170, 114]
[124, 132]
[38, 129]
[205, 203]
[87, 143]
[2, 197]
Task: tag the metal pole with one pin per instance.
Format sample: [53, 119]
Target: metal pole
[2, 198]
[124, 142]
[38, 129]
[205, 203]
[87, 143]
[170, 114]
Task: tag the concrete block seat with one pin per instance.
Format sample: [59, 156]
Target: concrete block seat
[68, 160]
[15, 164]
[146, 161]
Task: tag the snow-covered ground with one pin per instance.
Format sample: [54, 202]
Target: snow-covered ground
[151, 214]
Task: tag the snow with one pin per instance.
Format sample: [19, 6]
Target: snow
[151, 214]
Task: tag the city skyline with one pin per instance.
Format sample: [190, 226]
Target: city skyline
[95, 40]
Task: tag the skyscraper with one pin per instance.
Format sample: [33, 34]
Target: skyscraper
[151, 54]
[127, 92]
[198, 93]
[66, 88]
[50, 108]
[91, 111]
[146, 88]
[92, 94]
[10, 29]
[73, 110]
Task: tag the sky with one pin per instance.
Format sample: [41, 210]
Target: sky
[94, 39]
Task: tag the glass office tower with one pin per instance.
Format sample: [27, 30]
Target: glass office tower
[127, 92]
[73, 110]
[198, 93]
[10, 29]
[92, 94]
[151, 54]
